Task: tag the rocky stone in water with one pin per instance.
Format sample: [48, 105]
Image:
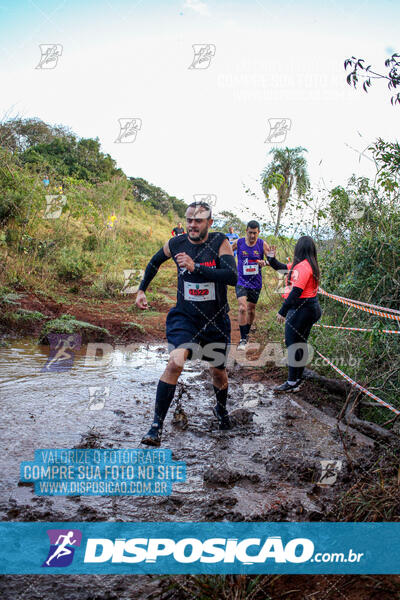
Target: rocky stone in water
[179, 418]
[221, 475]
[241, 416]
[257, 457]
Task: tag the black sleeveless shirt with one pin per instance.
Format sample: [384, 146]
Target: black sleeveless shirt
[198, 297]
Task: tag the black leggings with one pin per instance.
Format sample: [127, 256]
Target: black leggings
[299, 322]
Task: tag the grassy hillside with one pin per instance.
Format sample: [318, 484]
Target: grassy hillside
[68, 254]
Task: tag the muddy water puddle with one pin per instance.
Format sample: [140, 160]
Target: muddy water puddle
[266, 468]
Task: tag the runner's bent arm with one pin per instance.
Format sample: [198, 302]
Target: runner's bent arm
[270, 254]
[275, 264]
[266, 248]
[290, 300]
[154, 264]
[227, 272]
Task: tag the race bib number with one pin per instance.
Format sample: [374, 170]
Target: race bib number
[251, 269]
[199, 292]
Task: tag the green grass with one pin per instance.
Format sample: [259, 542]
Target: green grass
[10, 298]
[73, 258]
[133, 325]
[68, 324]
[29, 315]
[376, 493]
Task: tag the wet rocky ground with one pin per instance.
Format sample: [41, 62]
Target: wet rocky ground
[267, 468]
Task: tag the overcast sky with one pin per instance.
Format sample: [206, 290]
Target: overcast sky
[204, 130]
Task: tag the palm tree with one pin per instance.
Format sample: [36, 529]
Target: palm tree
[287, 169]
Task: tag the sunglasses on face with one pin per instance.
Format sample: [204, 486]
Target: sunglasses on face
[197, 221]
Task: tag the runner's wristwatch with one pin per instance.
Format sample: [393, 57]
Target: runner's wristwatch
[196, 268]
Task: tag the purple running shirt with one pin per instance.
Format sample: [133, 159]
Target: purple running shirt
[249, 271]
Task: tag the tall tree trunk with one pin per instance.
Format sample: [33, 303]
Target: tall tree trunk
[283, 196]
[278, 218]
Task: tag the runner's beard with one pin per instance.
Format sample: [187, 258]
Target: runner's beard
[198, 235]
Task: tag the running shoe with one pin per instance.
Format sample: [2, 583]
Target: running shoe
[299, 384]
[242, 344]
[153, 436]
[222, 416]
[287, 387]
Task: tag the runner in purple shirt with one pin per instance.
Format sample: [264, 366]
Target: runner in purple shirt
[250, 249]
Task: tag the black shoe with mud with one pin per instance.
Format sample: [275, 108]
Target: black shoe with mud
[153, 436]
[287, 387]
[222, 416]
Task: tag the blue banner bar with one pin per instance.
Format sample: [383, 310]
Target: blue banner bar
[212, 548]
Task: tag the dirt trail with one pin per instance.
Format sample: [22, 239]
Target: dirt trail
[267, 468]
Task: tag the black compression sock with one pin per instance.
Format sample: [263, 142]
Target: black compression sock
[243, 332]
[222, 396]
[164, 397]
[248, 327]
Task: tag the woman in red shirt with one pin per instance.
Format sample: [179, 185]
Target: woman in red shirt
[300, 309]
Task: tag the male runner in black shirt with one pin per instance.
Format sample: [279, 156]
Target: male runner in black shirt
[199, 324]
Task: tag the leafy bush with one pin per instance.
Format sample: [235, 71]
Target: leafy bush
[29, 245]
[7, 297]
[68, 324]
[73, 157]
[20, 191]
[107, 286]
[72, 265]
[29, 315]
[155, 197]
[90, 243]
[363, 263]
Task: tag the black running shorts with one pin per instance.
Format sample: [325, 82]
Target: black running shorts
[251, 295]
[206, 340]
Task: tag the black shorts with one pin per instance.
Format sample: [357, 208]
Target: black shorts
[251, 295]
[208, 341]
